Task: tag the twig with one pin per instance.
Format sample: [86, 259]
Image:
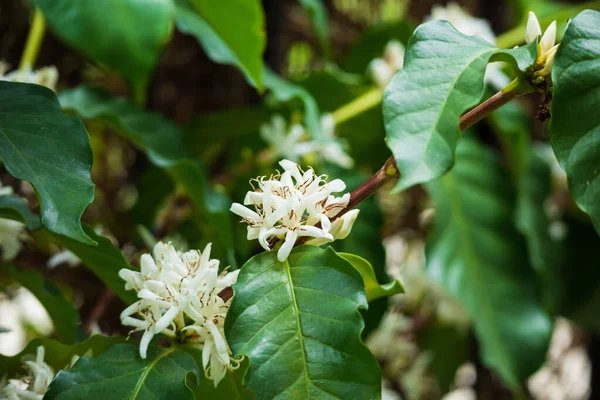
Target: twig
[98, 310]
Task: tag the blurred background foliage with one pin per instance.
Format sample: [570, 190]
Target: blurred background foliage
[424, 339]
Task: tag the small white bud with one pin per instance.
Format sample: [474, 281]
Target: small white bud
[533, 28]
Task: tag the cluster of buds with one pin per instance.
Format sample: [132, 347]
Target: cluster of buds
[34, 385]
[294, 143]
[383, 69]
[179, 297]
[47, 76]
[295, 204]
[546, 48]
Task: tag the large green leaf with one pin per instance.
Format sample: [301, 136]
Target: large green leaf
[57, 355]
[125, 35]
[42, 145]
[231, 32]
[373, 289]
[442, 78]
[214, 35]
[120, 373]
[105, 260]
[476, 254]
[575, 123]
[162, 141]
[16, 208]
[299, 324]
[320, 21]
[531, 176]
[65, 317]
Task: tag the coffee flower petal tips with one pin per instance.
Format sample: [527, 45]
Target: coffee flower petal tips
[35, 384]
[179, 297]
[546, 48]
[292, 205]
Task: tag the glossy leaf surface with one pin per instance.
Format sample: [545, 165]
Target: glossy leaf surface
[302, 314]
[476, 254]
[120, 373]
[42, 145]
[442, 78]
[575, 123]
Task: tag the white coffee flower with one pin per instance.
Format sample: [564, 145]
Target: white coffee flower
[383, 69]
[34, 385]
[11, 232]
[284, 142]
[174, 285]
[294, 144]
[47, 76]
[471, 26]
[329, 148]
[546, 48]
[292, 205]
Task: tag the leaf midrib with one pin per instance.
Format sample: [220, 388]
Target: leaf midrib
[487, 310]
[140, 383]
[299, 329]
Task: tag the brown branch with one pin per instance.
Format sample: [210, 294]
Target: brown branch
[98, 310]
[390, 171]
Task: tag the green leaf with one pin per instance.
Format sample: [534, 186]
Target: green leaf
[299, 324]
[320, 21]
[373, 289]
[231, 32]
[531, 176]
[283, 91]
[16, 208]
[441, 80]
[65, 317]
[476, 254]
[125, 35]
[162, 141]
[57, 355]
[42, 145]
[235, 38]
[575, 124]
[576, 283]
[105, 260]
[120, 373]
[230, 388]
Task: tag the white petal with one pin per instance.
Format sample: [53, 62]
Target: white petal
[549, 61]
[252, 233]
[146, 338]
[286, 247]
[205, 257]
[166, 319]
[380, 72]
[533, 28]
[148, 265]
[549, 38]
[244, 212]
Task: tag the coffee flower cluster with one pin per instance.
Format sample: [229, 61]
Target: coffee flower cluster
[295, 204]
[293, 143]
[34, 385]
[546, 48]
[179, 297]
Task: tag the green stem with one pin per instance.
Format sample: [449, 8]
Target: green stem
[34, 41]
[516, 36]
[357, 106]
